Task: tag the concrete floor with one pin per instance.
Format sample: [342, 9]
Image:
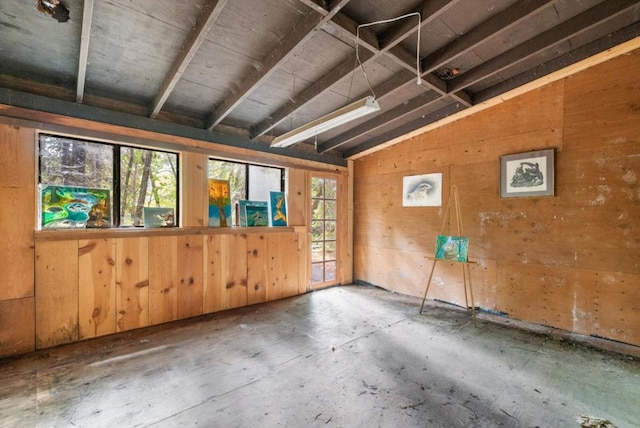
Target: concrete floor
[343, 357]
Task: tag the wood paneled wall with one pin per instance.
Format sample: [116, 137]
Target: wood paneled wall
[571, 261]
[94, 287]
[65, 286]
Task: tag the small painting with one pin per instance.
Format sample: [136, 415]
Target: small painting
[422, 190]
[74, 207]
[278, 209]
[257, 215]
[242, 208]
[158, 217]
[452, 248]
[219, 203]
[527, 174]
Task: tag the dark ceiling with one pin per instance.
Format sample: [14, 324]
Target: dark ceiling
[254, 69]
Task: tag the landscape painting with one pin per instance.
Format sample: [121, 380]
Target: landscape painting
[158, 217]
[278, 209]
[422, 190]
[64, 207]
[452, 248]
[243, 204]
[257, 215]
[219, 203]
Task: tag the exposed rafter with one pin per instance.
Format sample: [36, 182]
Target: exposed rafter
[300, 35]
[367, 38]
[380, 121]
[574, 26]
[85, 38]
[196, 37]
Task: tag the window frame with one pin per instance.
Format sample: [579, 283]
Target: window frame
[116, 178]
[336, 240]
[247, 175]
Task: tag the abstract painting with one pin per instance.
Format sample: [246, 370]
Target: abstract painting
[74, 207]
[158, 217]
[219, 203]
[278, 209]
[422, 190]
[452, 248]
[527, 174]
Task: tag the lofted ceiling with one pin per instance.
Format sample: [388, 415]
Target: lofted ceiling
[245, 71]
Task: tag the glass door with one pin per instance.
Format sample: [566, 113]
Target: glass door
[324, 215]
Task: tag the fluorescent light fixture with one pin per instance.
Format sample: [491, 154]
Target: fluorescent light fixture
[339, 117]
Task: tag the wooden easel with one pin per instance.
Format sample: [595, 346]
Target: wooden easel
[466, 271]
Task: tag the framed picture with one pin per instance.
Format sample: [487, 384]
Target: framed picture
[422, 190]
[219, 203]
[278, 208]
[527, 174]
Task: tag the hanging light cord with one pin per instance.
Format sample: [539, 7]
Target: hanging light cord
[384, 21]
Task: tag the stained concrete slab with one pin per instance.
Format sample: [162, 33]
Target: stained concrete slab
[344, 357]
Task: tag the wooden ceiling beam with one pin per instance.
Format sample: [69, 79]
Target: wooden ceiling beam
[491, 28]
[301, 33]
[404, 129]
[342, 25]
[209, 15]
[428, 10]
[387, 117]
[570, 28]
[85, 38]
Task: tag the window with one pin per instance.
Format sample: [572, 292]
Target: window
[324, 214]
[134, 177]
[247, 181]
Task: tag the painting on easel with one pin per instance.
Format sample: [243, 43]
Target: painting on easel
[452, 248]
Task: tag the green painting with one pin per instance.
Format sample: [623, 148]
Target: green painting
[74, 207]
[453, 248]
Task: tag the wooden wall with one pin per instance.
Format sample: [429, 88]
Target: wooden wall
[64, 286]
[571, 261]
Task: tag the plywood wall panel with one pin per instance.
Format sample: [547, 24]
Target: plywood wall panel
[257, 256]
[297, 197]
[97, 287]
[132, 283]
[17, 326]
[190, 276]
[214, 285]
[16, 246]
[541, 109]
[56, 293]
[415, 162]
[163, 279]
[602, 106]
[304, 264]
[234, 270]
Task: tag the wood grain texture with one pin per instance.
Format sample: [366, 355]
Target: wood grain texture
[540, 258]
[214, 286]
[16, 246]
[190, 276]
[17, 157]
[163, 279]
[132, 281]
[297, 197]
[97, 287]
[256, 268]
[234, 270]
[282, 266]
[193, 191]
[17, 326]
[56, 293]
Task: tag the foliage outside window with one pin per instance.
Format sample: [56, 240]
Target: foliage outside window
[324, 215]
[247, 181]
[136, 177]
